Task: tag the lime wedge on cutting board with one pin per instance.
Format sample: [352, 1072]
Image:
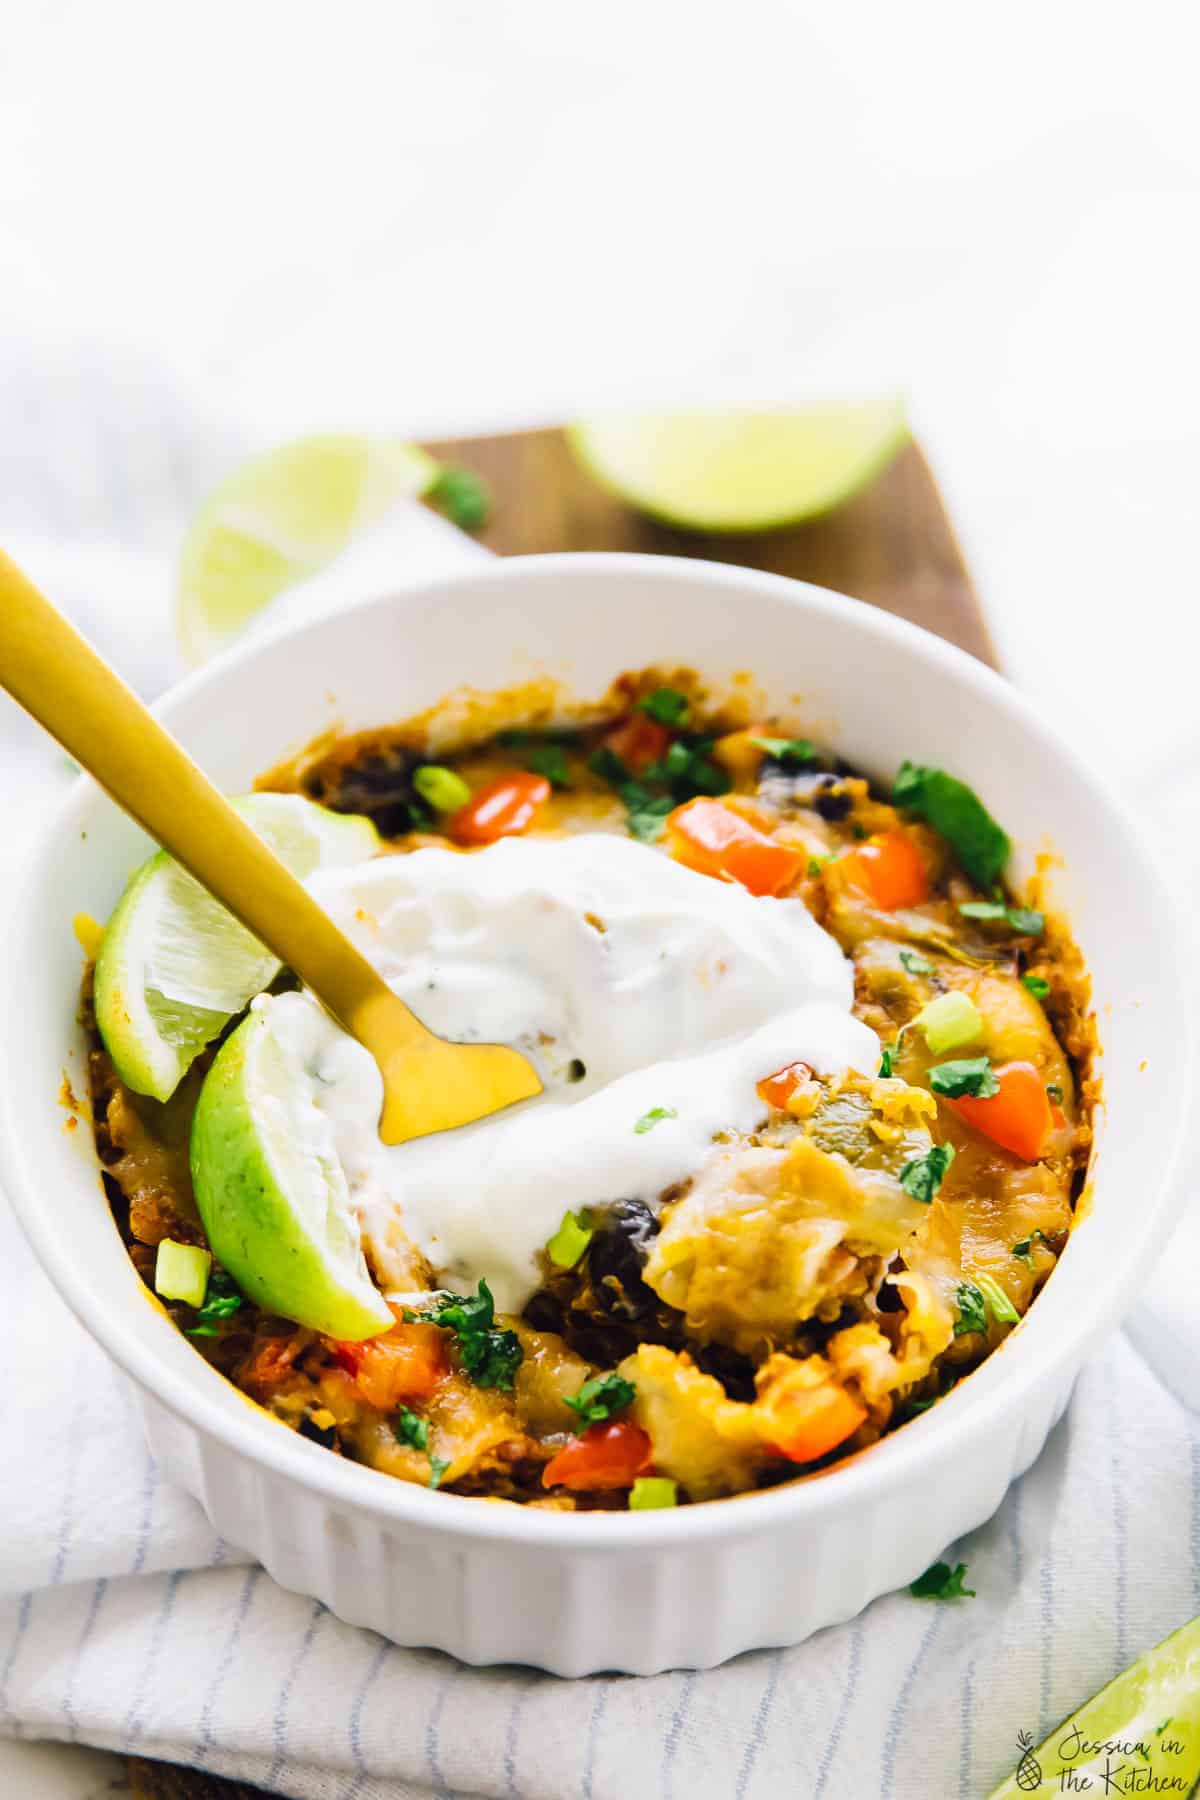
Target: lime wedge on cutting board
[269, 1182]
[174, 967]
[282, 517]
[1143, 1727]
[740, 471]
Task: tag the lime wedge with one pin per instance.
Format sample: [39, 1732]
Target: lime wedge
[174, 967]
[1144, 1724]
[740, 471]
[269, 1182]
[280, 518]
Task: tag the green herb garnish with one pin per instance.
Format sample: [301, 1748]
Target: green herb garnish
[924, 1175]
[886, 1069]
[787, 750]
[941, 1582]
[1023, 1248]
[490, 1357]
[999, 1304]
[968, 1075]
[608, 766]
[647, 812]
[437, 1468]
[916, 965]
[602, 1397]
[411, 1429]
[1023, 919]
[958, 815]
[972, 1312]
[654, 1117]
[548, 760]
[1036, 985]
[666, 704]
[221, 1302]
[463, 497]
[688, 771]
[1054, 1092]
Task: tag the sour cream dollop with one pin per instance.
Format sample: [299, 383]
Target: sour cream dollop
[651, 999]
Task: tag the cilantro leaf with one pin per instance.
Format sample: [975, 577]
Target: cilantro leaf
[1025, 920]
[972, 1312]
[793, 751]
[941, 1582]
[916, 965]
[959, 815]
[221, 1302]
[967, 1075]
[549, 760]
[924, 1175]
[654, 1117]
[437, 1468]
[1036, 985]
[608, 766]
[666, 704]
[411, 1429]
[1023, 1248]
[886, 1055]
[688, 771]
[491, 1357]
[601, 1397]
[463, 497]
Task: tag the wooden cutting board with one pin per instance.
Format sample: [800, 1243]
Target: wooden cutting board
[893, 545]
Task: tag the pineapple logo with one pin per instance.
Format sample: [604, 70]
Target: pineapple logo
[1029, 1769]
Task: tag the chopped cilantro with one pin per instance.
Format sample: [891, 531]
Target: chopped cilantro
[924, 1175]
[654, 1117]
[221, 1302]
[1023, 1248]
[1027, 920]
[548, 760]
[601, 1397]
[463, 497]
[411, 1429]
[665, 704]
[787, 750]
[490, 1357]
[968, 1075]
[608, 766]
[941, 1582]
[916, 965]
[815, 865]
[1024, 920]
[647, 812]
[972, 1313]
[688, 771]
[437, 1468]
[1036, 985]
[886, 1060]
[999, 1304]
[959, 815]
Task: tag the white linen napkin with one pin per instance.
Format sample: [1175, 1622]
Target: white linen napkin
[124, 1621]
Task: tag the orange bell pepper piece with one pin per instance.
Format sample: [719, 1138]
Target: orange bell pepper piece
[777, 1089]
[504, 808]
[1018, 1117]
[804, 1423]
[611, 1454]
[888, 869]
[406, 1363]
[714, 839]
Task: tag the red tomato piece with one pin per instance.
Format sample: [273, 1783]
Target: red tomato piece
[1017, 1117]
[609, 1455]
[504, 808]
[777, 1089]
[638, 741]
[712, 838]
[405, 1363]
[889, 869]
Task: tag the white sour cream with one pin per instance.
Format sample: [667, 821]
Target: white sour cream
[638, 988]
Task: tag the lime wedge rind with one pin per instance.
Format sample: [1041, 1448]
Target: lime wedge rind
[174, 967]
[1147, 1720]
[741, 472]
[271, 1189]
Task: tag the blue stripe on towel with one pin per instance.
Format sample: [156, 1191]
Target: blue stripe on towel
[100, 1588]
[674, 1731]
[758, 1730]
[599, 1706]
[14, 1650]
[279, 1736]
[853, 1671]
[204, 1737]
[887, 1773]
[359, 1779]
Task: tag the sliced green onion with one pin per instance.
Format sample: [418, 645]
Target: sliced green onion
[950, 1022]
[1002, 1308]
[570, 1241]
[441, 788]
[181, 1272]
[649, 1492]
[1036, 985]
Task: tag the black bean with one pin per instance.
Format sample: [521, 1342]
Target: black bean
[616, 1257]
[325, 1435]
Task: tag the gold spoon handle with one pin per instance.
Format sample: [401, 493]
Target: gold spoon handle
[55, 674]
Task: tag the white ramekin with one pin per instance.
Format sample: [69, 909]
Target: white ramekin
[616, 1591]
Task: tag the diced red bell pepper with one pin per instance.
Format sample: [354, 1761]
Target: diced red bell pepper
[611, 1454]
[777, 1089]
[504, 808]
[406, 1363]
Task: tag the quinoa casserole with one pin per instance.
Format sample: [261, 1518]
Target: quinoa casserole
[814, 1129]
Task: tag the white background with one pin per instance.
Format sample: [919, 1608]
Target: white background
[226, 223]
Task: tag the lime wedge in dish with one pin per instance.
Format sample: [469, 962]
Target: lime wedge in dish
[740, 471]
[1147, 1721]
[269, 1181]
[279, 518]
[174, 967]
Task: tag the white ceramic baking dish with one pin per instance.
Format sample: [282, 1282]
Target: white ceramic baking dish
[636, 1592]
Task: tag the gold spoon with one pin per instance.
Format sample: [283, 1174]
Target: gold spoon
[428, 1084]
